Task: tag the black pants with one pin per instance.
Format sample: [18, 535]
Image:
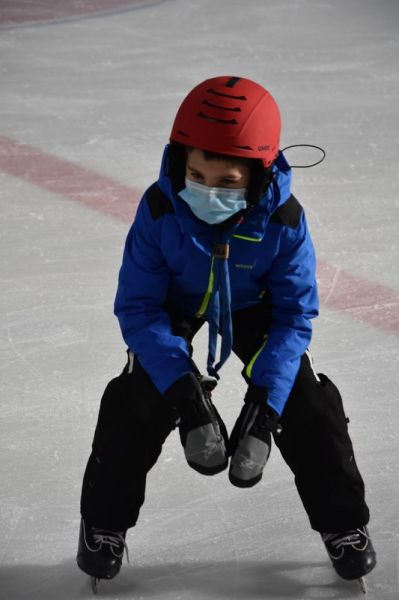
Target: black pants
[134, 422]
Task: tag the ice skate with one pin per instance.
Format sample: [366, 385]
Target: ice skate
[100, 552]
[352, 554]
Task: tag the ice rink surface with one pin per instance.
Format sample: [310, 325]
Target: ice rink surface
[87, 98]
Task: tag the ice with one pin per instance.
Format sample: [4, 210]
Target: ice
[100, 93]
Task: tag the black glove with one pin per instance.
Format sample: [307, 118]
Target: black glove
[202, 431]
[250, 440]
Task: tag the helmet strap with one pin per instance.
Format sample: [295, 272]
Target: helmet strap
[261, 178]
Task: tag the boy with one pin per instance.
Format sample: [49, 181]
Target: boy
[221, 239]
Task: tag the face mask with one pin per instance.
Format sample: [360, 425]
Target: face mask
[213, 204]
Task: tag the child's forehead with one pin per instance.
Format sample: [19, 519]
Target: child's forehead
[197, 159]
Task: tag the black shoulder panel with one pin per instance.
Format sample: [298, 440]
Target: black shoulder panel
[288, 214]
[158, 202]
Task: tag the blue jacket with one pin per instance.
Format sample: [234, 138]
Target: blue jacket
[167, 260]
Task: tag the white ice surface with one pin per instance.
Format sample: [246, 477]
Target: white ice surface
[102, 93]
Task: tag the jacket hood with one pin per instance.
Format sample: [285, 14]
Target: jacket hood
[255, 220]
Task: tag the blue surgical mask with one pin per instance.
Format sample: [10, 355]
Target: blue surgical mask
[213, 204]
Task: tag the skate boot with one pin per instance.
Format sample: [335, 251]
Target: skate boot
[100, 552]
[351, 552]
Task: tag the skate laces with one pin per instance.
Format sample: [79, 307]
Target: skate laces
[114, 539]
[351, 538]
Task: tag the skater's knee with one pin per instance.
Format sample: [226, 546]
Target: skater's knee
[331, 403]
[314, 402]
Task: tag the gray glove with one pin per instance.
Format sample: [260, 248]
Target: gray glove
[202, 431]
[251, 440]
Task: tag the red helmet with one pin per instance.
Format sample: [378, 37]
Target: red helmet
[230, 115]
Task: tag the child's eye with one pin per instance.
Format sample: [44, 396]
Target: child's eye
[195, 175]
[228, 183]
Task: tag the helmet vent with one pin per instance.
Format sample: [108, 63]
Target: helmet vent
[232, 81]
[216, 120]
[235, 109]
[244, 148]
[211, 91]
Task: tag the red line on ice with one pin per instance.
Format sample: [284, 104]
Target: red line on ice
[365, 301]
[67, 179]
[19, 11]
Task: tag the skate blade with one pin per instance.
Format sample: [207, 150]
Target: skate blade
[94, 584]
[363, 586]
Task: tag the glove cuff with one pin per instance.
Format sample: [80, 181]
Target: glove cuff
[257, 394]
[182, 390]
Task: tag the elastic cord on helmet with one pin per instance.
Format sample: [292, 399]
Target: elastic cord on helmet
[306, 146]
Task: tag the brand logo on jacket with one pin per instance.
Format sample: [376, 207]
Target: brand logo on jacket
[243, 266]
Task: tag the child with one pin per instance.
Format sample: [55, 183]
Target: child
[220, 238]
